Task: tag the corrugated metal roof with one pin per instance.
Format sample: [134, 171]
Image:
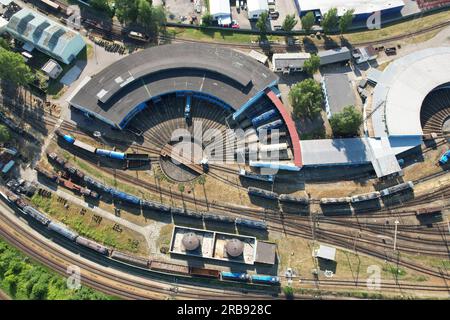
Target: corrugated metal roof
[290, 60]
[334, 55]
[46, 35]
[360, 6]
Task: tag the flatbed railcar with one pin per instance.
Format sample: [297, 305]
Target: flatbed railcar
[234, 276]
[36, 215]
[365, 197]
[92, 245]
[62, 230]
[429, 211]
[343, 200]
[253, 224]
[169, 267]
[202, 272]
[262, 193]
[137, 261]
[84, 146]
[259, 278]
[294, 199]
[396, 189]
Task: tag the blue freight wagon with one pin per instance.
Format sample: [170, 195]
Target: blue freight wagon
[236, 276]
[259, 278]
[68, 139]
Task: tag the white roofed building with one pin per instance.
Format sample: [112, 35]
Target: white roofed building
[220, 11]
[256, 8]
[289, 62]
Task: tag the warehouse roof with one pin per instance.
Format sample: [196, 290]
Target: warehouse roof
[338, 92]
[334, 55]
[117, 90]
[402, 88]
[46, 35]
[291, 60]
[217, 7]
[326, 252]
[360, 6]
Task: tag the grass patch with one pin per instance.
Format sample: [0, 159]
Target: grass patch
[165, 235]
[85, 224]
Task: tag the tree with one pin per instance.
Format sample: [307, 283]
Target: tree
[261, 24]
[330, 20]
[144, 17]
[102, 5]
[312, 64]
[13, 68]
[347, 122]
[126, 11]
[306, 98]
[4, 43]
[5, 135]
[289, 22]
[346, 21]
[207, 19]
[159, 17]
[308, 21]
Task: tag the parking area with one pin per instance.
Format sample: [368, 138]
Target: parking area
[239, 14]
[183, 10]
[284, 7]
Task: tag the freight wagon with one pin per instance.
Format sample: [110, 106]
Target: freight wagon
[169, 267]
[262, 193]
[398, 188]
[137, 261]
[218, 218]
[202, 272]
[62, 230]
[293, 199]
[342, 200]
[235, 276]
[259, 278]
[251, 224]
[154, 206]
[49, 175]
[92, 245]
[365, 197]
[255, 176]
[36, 215]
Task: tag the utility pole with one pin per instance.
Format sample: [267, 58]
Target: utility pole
[395, 234]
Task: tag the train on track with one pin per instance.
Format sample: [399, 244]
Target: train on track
[111, 154]
[262, 193]
[141, 262]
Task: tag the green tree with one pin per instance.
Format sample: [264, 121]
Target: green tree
[346, 20]
[144, 17]
[103, 6]
[308, 21]
[330, 20]
[126, 11]
[159, 17]
[207, 19]
[312, 64]
[289, 22]
[4, 44]
[5, 135]
[261, 24]
[347, 122]
[306, 98]
[13, 68]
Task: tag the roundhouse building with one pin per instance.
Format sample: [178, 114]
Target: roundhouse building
[224, 77]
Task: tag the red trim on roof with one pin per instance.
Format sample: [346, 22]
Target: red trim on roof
[290, 125]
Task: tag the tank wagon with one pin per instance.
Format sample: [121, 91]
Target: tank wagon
[343, 200]
[218, 218]
[396, 189]
[62, 230]
[262, 193]
[251, 224]
[259, 278]
[36, 215]
[293, 199]
[155, 206]
[365, 197]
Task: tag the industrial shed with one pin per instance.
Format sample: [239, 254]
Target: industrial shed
[334, 56]
[363, 8]
[338, 93]
[256, 8]
[289, 62]
[45, 35]
[220, 11]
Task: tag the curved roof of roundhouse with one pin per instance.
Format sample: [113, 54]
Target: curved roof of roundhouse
[226, 74]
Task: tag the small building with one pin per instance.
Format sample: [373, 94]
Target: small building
[289, 62]
[46, 35]
[338, 93]
[256, 8]
[52, 69]
[220, 10]
[364, 54]
[260, 57]
[326, 253]
[334, 56]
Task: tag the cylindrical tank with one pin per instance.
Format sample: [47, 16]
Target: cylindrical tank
[190, 241]
[103, 152]
[117, 155]
[68, 138]
[234, 247]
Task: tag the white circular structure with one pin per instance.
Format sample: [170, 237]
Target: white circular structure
[402, 88]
